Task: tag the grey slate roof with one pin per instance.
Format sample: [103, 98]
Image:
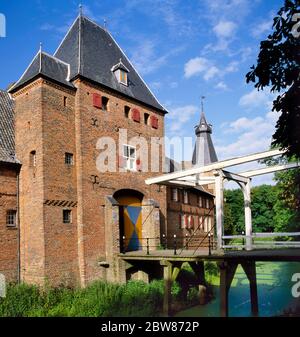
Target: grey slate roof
[92, 52]
[45, 65]
[204, 151]
[89, 51]
[7, 138]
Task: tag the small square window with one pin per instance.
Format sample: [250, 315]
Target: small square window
[126, 111]
[69, 159]
[67, 216]
[11, 218]
[33, 158]
[146, 118]
[105, 103]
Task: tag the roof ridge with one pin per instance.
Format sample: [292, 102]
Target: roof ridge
[94, 22]
[55, 58]
[30, 64]
[67, 33]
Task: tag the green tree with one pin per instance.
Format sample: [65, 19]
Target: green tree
[287, 207]
[278, 68]
[267, 213]
[234, 212]
[264, 198]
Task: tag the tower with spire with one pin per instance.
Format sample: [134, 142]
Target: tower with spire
[204, 151]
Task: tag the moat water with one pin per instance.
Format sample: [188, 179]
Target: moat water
[274, 293]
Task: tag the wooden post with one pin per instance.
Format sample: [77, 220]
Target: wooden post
[227, 272]
[219, 208]
[168, 284]
[250, 271]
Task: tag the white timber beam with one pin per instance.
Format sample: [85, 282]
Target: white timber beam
[270, 169]
[220, 208]
[248, 214]
[181, 183]
[215, 166]
[235, 177]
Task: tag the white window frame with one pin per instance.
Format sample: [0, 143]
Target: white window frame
[200, 201]
[207, 203]
[130, 161]
[185, 197]
[174, 194]
[11, 214]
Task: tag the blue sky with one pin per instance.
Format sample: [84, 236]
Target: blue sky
[182, 48]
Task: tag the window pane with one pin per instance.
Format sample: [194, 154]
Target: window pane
[132, 152]
[66, 216]
[11, 217]
[125, 151]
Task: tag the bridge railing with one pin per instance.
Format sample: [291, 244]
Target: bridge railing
[260, 240]
[174, 242]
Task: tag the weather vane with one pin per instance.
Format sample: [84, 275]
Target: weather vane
[80, 9]
[202, 102]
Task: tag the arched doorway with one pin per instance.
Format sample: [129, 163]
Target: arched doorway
[130, 219]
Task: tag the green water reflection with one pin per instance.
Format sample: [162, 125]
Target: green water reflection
[274, 291]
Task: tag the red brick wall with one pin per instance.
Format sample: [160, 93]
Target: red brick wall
[69, 253]
[8, 235]
[91, 198]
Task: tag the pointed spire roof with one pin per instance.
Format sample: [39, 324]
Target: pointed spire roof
[203, 125]
[204, 151]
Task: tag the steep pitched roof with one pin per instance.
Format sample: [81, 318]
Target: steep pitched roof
[204, 151]
[45, 65]
[7, 138]
[92, 52]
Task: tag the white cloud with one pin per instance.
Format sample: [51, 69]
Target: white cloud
[195, 66]
[262, 28]
[232, 67]
[256, 99]
[180, 115]
[225, 29]
[222, 86]
[253, 135]
[211, 72]
[207, 68]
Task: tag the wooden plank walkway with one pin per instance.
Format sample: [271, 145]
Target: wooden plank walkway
[288, 255]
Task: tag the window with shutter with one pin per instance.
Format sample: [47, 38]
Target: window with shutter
[129, 157]
[97, 101]
[136, 116]
[154, 122]
[138, 164]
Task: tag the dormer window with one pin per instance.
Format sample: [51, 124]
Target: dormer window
[121, 72]
[123, 77]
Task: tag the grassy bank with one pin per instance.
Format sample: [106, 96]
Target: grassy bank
[97, 300]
